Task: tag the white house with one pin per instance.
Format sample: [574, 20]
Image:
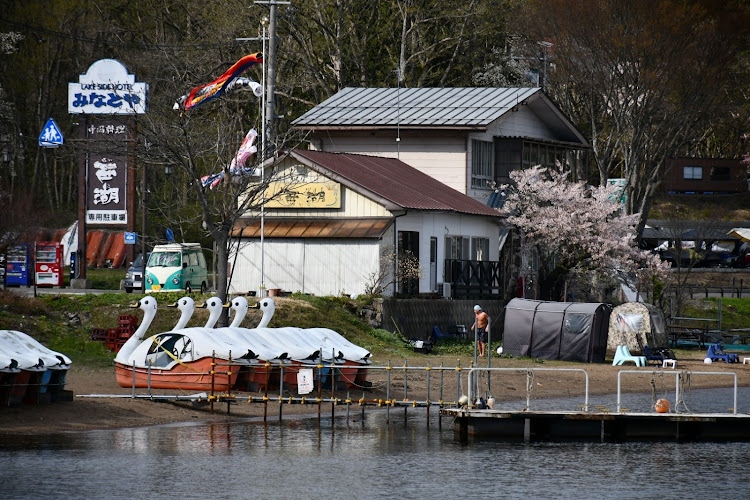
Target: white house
[327, 228]
[467, 138]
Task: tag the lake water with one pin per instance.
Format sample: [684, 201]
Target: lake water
[369, 457]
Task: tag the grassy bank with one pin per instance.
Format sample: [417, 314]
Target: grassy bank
[64, 322]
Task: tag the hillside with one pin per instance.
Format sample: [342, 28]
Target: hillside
[720, 207]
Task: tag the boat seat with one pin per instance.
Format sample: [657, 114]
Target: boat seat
[622, 356]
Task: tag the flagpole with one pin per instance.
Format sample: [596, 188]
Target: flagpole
[263, 173]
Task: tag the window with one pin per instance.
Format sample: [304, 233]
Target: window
[720, 174]
[695, 173]
[480, 248]
[482, 164]
[457, 248]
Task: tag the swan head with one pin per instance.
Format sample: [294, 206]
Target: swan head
[148, 306]
[267, 307]
[239, 306]
[186, 306]
[215, 307]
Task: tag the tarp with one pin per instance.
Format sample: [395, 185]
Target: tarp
[742, 233]
[567, 331]
[635, 324]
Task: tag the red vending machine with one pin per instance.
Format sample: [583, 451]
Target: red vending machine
[49, 264]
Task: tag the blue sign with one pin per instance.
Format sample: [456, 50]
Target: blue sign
[51, 137]
[170, 235]
[130, 238]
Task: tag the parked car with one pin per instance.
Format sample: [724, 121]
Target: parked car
[134, 276]
[176, 266]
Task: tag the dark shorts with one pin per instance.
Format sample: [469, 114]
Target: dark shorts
[482, 334]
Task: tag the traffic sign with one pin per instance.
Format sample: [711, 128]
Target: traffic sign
[51, 137]
[130, 238]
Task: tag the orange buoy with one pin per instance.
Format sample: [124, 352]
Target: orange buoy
[662, 406]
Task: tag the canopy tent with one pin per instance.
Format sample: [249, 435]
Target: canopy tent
[636, 324]
[569, 331]
[742, 233]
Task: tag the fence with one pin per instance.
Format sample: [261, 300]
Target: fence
[415, 318]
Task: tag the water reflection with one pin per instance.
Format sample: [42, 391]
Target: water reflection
[365, 457]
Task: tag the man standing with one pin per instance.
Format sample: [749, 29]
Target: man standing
[480, 323]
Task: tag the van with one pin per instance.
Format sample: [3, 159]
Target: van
[176, 266]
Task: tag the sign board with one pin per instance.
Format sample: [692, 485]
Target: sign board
[305, 381]
[106, 171]
[51, 137]
[107, 88]
[304, 195]
[130, 238]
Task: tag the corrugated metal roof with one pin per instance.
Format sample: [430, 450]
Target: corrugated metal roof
[447, 107]
[394, 181]
[313, 228]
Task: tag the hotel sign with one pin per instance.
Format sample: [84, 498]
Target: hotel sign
[304, 195]
[107, 88]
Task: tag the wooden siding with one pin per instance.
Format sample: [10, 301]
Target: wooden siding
[674, 181]
[415, 318]
[522, 123]
[442, 156]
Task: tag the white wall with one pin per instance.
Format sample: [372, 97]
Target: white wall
[316, 266]
[440, 225]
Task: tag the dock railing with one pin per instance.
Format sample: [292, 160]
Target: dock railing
[472, 382]
[679, 378]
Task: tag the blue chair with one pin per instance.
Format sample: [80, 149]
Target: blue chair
[622, 356]
[716, 353]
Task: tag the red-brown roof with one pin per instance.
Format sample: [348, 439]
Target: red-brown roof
[394, 181]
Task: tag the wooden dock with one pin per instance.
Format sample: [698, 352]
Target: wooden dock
[601, 427]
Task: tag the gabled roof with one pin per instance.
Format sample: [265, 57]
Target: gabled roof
[391, 182]
[446, 107]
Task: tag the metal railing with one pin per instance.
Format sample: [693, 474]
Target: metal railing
[679, 377]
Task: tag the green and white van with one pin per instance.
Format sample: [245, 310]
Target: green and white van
[176, 266]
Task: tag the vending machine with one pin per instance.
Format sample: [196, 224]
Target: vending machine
[49, 264]
[18, 266]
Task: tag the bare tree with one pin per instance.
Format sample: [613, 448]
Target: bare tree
[642, 80]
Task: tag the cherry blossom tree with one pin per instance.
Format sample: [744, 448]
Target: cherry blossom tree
[585, 241]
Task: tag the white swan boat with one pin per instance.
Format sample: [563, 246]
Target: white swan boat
[29, 369]
[182, 359]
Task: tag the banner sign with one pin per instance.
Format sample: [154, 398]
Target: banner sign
[106, 172]
[107, 88]
[304, 195]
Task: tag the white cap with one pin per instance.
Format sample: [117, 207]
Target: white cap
[477, 307]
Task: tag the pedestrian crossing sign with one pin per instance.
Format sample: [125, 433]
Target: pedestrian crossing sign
[51, 137]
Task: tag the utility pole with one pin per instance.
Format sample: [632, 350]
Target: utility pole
[269, 61]
[268, 114]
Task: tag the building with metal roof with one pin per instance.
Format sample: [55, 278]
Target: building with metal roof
[467, 138]
[332, 221]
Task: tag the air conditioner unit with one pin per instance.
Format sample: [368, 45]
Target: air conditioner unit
[444, 290]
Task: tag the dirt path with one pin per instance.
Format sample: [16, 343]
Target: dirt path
[100, 413]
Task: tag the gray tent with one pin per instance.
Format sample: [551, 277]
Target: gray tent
[636, 324]
[569, 331]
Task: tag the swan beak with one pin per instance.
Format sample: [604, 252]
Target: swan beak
[172, 305]
[135, 306]
[227, 305]
[254, 306]
[203, 305]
